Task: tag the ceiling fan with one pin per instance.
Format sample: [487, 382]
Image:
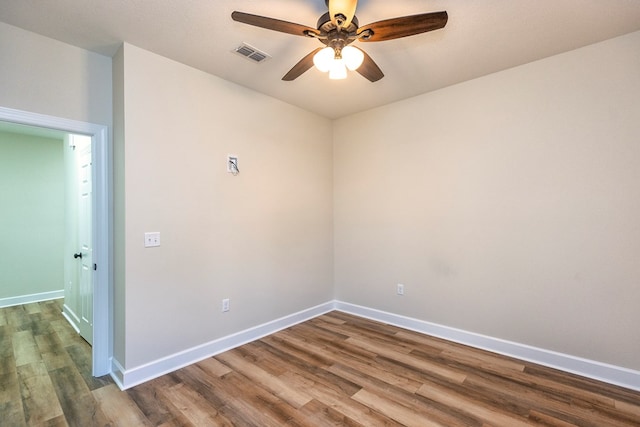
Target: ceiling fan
[337, 29]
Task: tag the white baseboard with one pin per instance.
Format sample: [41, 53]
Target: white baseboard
[71, 321]
[612, 374]
[126, 378]
[28, 299]
[117, 373]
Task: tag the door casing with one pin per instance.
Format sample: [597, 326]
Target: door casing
[102, 223]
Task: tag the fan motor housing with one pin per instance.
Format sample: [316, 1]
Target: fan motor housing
[325, 25]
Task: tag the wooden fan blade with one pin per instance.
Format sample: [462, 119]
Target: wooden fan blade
[395, 28]
[273, 24]
[369, 69]
[303, 65]
[347, 8]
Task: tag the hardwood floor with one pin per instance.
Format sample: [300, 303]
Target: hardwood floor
[45, 370]
[334, 370]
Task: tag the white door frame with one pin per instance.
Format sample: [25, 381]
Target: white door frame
[102, 224]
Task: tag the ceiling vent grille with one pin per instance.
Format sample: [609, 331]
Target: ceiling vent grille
[251, 53]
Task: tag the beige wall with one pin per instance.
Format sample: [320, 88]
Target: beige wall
[262, 238]
[507, 206]
[41, 75]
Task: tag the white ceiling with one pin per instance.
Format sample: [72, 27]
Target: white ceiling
[480, 38]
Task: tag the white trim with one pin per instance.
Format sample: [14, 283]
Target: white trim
[117, 373]
[71, 322]
[102, 222]
[71, 316]
[28, 299]
[126, 378]
[587, 368]
[612, 374]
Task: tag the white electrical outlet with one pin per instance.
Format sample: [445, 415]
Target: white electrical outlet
[151, 239]
[225, 305]
[400, 289]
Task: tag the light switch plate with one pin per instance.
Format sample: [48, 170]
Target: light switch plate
[151, 239]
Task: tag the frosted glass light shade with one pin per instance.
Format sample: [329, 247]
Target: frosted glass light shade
[352, 57]
[323, 59]
[338, 70]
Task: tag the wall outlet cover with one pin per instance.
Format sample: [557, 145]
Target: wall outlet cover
[151, 239]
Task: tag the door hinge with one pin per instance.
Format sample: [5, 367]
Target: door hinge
[95, 267]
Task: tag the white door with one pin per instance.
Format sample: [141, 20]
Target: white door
[83, 150]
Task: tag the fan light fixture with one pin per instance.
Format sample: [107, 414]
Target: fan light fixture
[337, 29]
[336, 62]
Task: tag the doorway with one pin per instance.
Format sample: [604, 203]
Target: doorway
[100, 227]
[79, 268]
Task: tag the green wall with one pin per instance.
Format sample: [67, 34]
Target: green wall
[31, 215]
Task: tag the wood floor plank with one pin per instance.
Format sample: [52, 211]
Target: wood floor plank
[17, 317]
[318, 414]
[576, 382]
[547, 419]
[77, 402]
[36, 390]
[7, 357]
[49, 343]
[258, 405]
[67, 335]
[38, 325]
[212, 366]
[342, 403]
[412, 361]
[12, 413]
[334, 370]
[80, 354]
[567, 402]
[405, 415]
[299, 349]
[194, 406]
[375, 337]
[3, 318]
[631, 409]
[56, 360]
[32, 308]
[319, 376]
[329, 353]
[59, 421]
[491, 415]
[484, 361]
[118, 407]
[397, 398]
[25, 349]
[296, 398]
[9, 387]
[158, 409]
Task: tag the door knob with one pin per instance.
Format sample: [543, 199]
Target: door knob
[79, 255]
